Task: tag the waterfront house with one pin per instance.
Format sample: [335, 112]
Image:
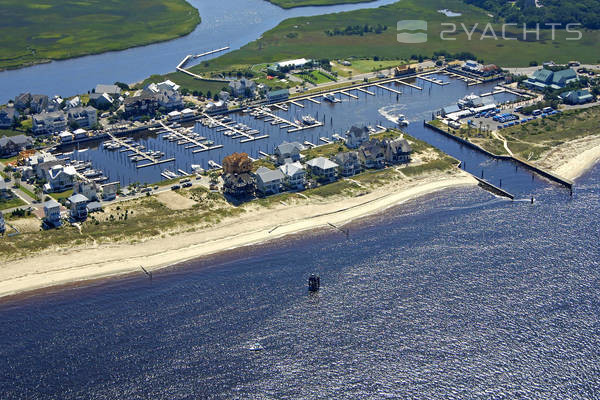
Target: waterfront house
[239, 185]
[242, 88]
[349, 163]
[372, 154]
[8, 116]
[101, 100]
[49, 122]
[94, 206]
[276, 96]
[83, 117]
[2, 225]
[187, 113]
[165, 85]
[577, 96]
[143, 104]
[543, 78]
[294, 175]
[323, 168]
[356, 136]
[87, 188]
[65, 137]
[5, 192]
[291, 64]
[73, 103]
[268, 181]
[39, 103]
[169, 99]
[80, 134]
[22, 101]
[216, 107]
[52, 213]
[12, 145]
[78, 204]
[60, 178]
[110, 190]
[112, 90]
[41, 162]
[397, 151]
[237, 163]
[288, 152]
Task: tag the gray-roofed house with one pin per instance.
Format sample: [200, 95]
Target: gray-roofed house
[22, 101]
[12, 145]
[101, 100]
[52, 213]
[8, 116]
[294, 175]
[450, 109]
[87, 188]
[372, 154]
[49, 122]
[268, 181]
[356, 136]
[5, 192]
[79, 209]
[288, 152]
[242, 88]
[397, 151]
[39, 103]
[323, 168]
[112, 90]
[239, 185]
[349, 163]
[94, 206]
[84, 117]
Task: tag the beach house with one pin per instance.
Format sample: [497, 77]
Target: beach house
[78, 204]
[49, 122]
[52, 213]
[349, 163]
[294, 175]
[242, 88]
[268, 181]
[82, 117]
[60, 178]
[110, 190]
[397, 151]
[12, 145]
[288, 152]
[87, 188]
[372, 154]
[323, 168]
[356, 136]
[239, 185]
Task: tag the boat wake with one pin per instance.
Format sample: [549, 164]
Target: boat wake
[392, 112]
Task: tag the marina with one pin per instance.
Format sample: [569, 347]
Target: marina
[258, 130]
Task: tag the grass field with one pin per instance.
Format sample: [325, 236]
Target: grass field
[301, 3]
[305, 37]
[36, 31]
[15, 202]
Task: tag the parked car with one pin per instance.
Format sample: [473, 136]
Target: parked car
[175, 187]
[187, 185]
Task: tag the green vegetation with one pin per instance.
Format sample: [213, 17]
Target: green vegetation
[62, 195]
[14, 202]
[315, 77]
[306, 37]
[532, 139]
[441, 164]
[302, 3]
[10, 132]
[35, 32]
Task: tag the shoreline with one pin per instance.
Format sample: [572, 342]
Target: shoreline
[572, 159]
[67, 267]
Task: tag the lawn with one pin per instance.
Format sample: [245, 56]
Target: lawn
[301, 3]
[363, 66]
[306, 37]
[35, 32]
[10, 132]
[188, 82]
[15, 202]
[62, 195]
[315, 77]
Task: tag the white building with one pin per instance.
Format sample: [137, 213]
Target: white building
[323, 168]
[297, 63]
[52, 213]
[49, 122]
[60, 178]
[294, 175]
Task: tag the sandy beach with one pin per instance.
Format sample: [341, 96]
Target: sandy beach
[55, 268]
[571, 159]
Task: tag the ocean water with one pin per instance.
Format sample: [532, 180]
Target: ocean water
[456, 295]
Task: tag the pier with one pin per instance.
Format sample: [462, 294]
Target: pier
[366, 91]
[139, 153]
[313, 100]
[226, 127]
[180, 66]
[296, 103]
[349, 94]
[408, 84]
[387, 88]
[188, 140]
[434, 81]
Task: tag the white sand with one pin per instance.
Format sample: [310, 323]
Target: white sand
[573, 158]
[62, 267]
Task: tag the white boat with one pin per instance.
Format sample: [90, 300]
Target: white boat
[402, 121]
[330, 97]
[308, 120]
[256, 347]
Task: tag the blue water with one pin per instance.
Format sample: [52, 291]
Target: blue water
[381, 109]
[224, 23]
[458, 295]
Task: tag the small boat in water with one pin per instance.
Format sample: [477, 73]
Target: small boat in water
[308, 120]
[314, 283]
[402, 121]
[330, 97]
[256, 347]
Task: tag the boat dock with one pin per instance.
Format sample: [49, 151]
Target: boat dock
[324, 139]
[366, 91]
[296, 104]
[226, 126]
[211, 52]
[437, 82]
[313, 100]
[409, 84]
[139, 153]
[192, 143]
[348, 94]
[387, 88]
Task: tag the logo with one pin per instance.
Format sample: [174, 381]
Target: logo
[412, 25]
